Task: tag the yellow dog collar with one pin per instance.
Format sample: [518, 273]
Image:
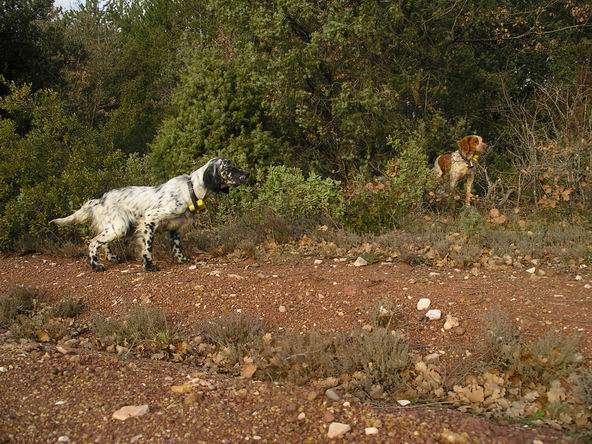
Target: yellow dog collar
[200, 206]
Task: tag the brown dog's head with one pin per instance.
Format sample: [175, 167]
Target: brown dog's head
[472, 145]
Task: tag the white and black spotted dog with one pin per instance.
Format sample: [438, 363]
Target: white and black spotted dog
[169, 207]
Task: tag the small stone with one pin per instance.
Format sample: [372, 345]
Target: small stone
[64, 350]
[63, 438]
[182, 388]
[537, 441]
[282, 309]
[367, 327]
[433, 315]
[531, 270]
[130, 411]
[337, 429]
[332, 395]
[459, 331]
[311, 396]
[431, 357]
[423, 304]
[121, 350]
[579, 278]
[192, 398]
[328, 417]
[360, 262]
[318, 262]
[403, 402]
[192, 267]
[301, 416]
[451, 322]
[371, 431]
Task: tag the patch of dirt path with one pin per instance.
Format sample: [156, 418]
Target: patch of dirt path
[329, 297]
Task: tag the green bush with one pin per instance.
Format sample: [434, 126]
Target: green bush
[285, 192]
[409, 176]
[217, 112]
[49, 164]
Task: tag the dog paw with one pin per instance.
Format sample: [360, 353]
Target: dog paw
[182, 259]
[97, 267]
[114, 259]
[150, 267]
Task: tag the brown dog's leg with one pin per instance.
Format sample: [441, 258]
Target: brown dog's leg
[469, 187]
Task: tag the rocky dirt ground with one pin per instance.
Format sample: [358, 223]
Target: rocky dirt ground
[51, 397]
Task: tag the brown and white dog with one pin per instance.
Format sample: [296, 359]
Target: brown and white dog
[460, 164]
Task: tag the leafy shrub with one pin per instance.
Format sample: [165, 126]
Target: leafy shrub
[285, 192]
[49, 164]
[217, 112]
[373, 208]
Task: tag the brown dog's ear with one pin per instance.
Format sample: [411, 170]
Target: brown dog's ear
[464, 145]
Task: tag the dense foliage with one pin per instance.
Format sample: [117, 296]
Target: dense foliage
[139, 90]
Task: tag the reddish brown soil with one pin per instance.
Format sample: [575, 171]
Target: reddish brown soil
[330, 296]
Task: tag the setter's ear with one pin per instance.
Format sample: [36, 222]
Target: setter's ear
[464, 145]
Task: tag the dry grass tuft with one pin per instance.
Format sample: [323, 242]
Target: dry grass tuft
[68, 307]
[141, 324]
[16, 302]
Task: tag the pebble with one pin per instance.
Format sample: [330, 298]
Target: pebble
[579, 278]
[318, 262]
[130, 411]
[423, 304]
[433, 315]
[531, 270]
[337, 429]
[332, 395]
[282, 309]
[451, 322]
[360, 262]
[301, 416]
[371, 431]
[403, 402]
[63, 438]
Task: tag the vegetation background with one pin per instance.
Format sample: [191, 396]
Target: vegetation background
[337, 107]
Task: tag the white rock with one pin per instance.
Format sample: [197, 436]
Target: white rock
[318, 262]
[301, 416]
[431, 357]
[337, 429]
[63, 438]
[433, 273]
[404, 402]
[192, 267]
[451, 322]
[433, 315]
[332, 395]
[587, 286]
[282, 309]
[579, 278]
[360, 262]
[423, 304]
[130, 411]
[371, 431]
[531, 270]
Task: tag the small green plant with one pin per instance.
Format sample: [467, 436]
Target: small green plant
[374, 208]
[471, 222]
